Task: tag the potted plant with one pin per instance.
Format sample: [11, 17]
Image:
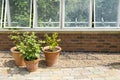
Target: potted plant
[16, 37]
[52, 49]
[30, 49]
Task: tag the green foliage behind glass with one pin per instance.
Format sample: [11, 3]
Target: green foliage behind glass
[20, 12]
[106, 9]
[48, 9]
[77, 9]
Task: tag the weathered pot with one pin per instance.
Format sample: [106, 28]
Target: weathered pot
[19, 60]
[32, 65]
[51, 58]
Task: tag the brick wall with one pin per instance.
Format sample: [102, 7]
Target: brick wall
[79, 41]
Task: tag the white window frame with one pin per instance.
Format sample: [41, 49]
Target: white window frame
[61, 18]
[35, 18]
[8, 16]
[118, 20]
[106, 27]
[89, 22]
[1, 16]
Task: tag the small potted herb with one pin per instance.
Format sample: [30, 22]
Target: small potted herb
[52, 49]
[30, 49]
[27, 49]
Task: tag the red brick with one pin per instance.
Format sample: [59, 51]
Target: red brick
[92, 41]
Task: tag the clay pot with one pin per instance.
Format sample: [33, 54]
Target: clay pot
[32, 65]
[19, 60]
[51, 58]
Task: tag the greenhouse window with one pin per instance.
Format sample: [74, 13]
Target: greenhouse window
[107, 13]
[70, 15]
[17, 14]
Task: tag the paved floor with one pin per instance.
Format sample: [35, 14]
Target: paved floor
[86, 73]
[9, 71]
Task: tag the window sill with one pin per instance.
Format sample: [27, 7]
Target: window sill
[62, 30]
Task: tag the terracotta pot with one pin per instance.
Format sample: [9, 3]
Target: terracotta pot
[19, 60]
[32, 65]
[51, 57]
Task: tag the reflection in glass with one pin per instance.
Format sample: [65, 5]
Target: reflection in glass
[106, 13]
[77, 13]
[17, 13]
[48, 13]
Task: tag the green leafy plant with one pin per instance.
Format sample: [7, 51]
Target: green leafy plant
[52, 41]
[30, 48]
[27, 44]
[16, 37]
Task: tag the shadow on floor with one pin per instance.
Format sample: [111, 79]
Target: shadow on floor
[78, 56]
[42, 64]
[114, 65]
[10, 63]
[12, 69]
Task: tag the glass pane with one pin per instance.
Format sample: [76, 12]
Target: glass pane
[0, 11]
[77, 13]
[48, 13]
[18, 13]
[106, 13]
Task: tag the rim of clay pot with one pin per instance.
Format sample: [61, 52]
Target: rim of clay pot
[13, 50]
[47, 47]
[38, 59]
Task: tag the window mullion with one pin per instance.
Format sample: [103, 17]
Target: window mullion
[35, 15]
[90, 14]
[5, 13]
[62, 13]
[2, 13]
[7, 18]
[94, 23]
[31, 7]
[118, 20]
[8, 13]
